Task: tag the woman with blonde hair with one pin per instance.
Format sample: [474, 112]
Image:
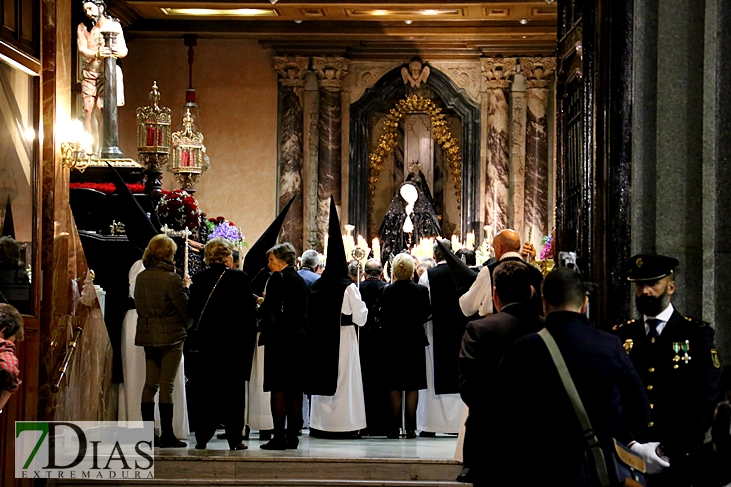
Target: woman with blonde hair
[224, 310]
[402, 309]
[162, 308]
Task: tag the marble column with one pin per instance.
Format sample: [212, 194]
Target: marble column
[291, 71]
[517, 154]
[311, 102]
[330, 72]
[538, 73]
[496, 74]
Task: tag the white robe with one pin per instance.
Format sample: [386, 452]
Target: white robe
[478, 299]
[436, 413]
[345, 410]
[259, 403]
[133, 370]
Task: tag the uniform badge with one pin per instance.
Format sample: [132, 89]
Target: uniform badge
[639, 263]
[714, 357]
[676, 349]
[686, 348]
[628, 344]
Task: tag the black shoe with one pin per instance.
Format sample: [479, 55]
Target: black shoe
[410, 435]
[292, 442]
[167, 438]
[198, 446]
[240, 446]
[221, 436]
[465, 476]
[277, 443]
[427, 434]
[394, 435]
[265, 435]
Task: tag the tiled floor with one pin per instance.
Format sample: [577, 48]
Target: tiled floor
[439, 448]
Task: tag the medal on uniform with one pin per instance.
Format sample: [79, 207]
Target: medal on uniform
[686, 347]
[628, 344]
[676, 349]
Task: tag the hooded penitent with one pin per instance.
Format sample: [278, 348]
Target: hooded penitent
[462, 275]
[325, 305]
[256, 258]
[8, 224]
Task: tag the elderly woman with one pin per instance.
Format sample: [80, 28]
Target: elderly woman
[284, 330]
[224, 308]
[402, 309]
[162, 309]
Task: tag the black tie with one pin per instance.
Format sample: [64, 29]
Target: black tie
[653, 334]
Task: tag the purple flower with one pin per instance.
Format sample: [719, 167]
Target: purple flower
[547, 252]
[227, 231]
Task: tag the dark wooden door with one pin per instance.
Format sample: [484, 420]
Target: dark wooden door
[593, 129]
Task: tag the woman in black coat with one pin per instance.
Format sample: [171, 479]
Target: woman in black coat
[402, 309]
[224, 309]
[284, 328]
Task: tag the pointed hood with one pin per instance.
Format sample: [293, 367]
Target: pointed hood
[256, 257]
[336, 267]
[8, 223]
[462, 275]
[137, 224]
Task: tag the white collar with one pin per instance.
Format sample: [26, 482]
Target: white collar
[664, 316]
[510, 254]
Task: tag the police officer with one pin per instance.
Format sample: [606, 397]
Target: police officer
[679, 367]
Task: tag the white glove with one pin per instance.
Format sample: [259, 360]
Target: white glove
[654, 462]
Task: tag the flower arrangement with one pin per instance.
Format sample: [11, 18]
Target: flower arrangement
[177, 209]
[547, 252]
[220, 227]
[107, 188]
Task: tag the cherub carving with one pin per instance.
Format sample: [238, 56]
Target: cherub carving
[416, 73]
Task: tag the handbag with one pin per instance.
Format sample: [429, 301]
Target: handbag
[192, 341]
[609, 462]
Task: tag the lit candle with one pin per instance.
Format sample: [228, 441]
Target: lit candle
[376, 249]
[150, 135]
[456, 244]
[470, 240]
[185, 158]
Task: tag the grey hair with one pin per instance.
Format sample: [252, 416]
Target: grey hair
[353, 268]
[310, 258]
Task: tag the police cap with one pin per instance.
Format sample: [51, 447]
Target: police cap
[649, 267]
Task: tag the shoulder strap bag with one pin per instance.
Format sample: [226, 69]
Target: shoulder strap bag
[193, 339]
[609, 462]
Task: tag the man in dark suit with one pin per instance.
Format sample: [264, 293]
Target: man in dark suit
[679, 366]
[484, 343]
[538, 438]
[378, 409]
[507, 247]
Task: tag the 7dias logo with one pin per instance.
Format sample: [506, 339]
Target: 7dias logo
[84, 450]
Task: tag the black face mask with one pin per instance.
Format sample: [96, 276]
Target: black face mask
[651, 305]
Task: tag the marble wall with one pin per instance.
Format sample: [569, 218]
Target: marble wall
[237, 94]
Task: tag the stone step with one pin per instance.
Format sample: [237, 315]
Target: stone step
[305, 468]
[256, 483]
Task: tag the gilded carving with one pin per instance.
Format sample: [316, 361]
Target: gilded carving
[538, 71]
[496, 72]
[330, 71]
[440, 132]
[291, 70]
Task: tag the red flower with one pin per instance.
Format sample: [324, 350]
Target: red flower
[231, 224]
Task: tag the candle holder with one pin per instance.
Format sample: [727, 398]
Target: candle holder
[153, 141]
[188, 154]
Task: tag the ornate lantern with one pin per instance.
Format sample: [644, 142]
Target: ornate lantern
[153, 141]
[188, 155]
